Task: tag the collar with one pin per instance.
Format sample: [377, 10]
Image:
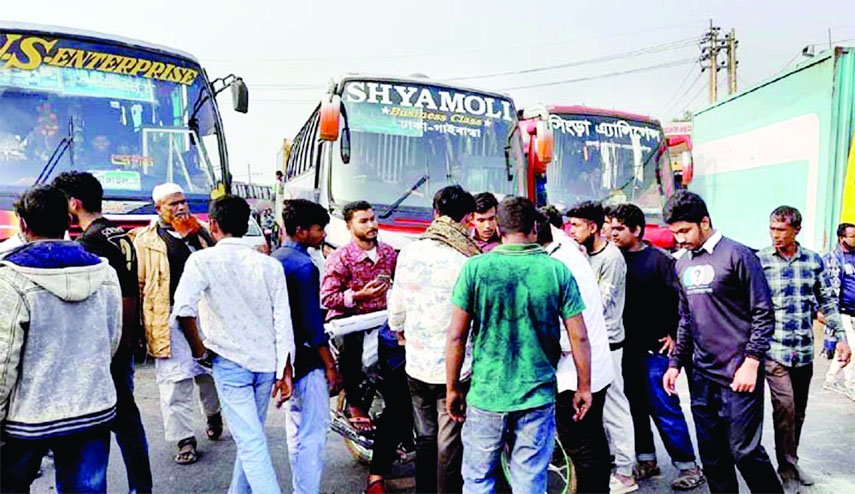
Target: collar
[711, 242]
[291, 244]
[232, 241]
[797, 256]
[520, 249]
[359, 255]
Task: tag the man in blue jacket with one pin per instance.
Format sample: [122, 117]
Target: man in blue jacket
[726, 322]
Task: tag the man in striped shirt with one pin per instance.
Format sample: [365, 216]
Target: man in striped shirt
[799, 282]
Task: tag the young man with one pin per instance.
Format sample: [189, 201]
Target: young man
[515, 298]
[584, 440]
[650, 317]
[841, 266]
[586, 222]
[726, 321]
[162, 250]
[241, 298]
[105, 239]
[484, 226]
[356, 279]
[420, 311]
[314, 370]
[61, 309]
[799, 282]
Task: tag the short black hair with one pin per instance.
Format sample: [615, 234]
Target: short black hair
[588, 210]
[685, 206]
[516, 215]
[609, 210]
[82, 186]
[841, 229]
[544, 226]
[278, 173]
[788, 214]
[44, 209]
[231, 214]
[353, 207]
[484, 201]
[631, 216]
[453, 201]
[303, 213]
[553, 214]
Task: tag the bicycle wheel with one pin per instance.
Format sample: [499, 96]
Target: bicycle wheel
[561, 477]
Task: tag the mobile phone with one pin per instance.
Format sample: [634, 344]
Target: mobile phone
[385, 278]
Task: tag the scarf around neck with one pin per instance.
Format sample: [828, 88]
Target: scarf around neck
[453, 234]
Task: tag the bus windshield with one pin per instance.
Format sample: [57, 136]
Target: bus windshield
[407, 136]
[132, 117]
[607, 159]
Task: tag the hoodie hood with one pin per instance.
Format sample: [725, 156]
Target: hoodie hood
[61, 267]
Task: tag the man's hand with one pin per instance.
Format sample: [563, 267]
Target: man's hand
[402, 340]
[582, 401]
[455, 404]
[284, 388]
[820, 317]
[372, 290]
[844, 353]
[668, 345]
[669, 380]
[333, 378]
[745, 378]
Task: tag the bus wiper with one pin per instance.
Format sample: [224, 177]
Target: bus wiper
[394, 207]
[57, 154]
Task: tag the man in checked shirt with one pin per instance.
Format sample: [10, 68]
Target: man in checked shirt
[799, 282]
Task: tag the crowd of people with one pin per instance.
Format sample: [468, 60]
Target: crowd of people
[507, 326]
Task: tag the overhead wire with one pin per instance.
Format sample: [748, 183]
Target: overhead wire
[675, 104]
[648, 68]
[673, 99]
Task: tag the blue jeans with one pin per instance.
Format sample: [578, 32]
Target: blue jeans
[244, 396]
[128, 425]
[532, 434]
[647, 398]
[306, 426]
[80, 460]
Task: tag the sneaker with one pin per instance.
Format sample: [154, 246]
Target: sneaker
[617, 484]
[834, 386]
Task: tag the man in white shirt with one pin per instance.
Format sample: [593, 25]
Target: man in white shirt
[241, 297]
[584, 441]
[420, 311]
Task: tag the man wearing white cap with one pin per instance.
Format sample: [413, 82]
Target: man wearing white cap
[163, 248]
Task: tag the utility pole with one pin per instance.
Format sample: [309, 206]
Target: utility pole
[732, 63]
[711, 44]
[249, 174]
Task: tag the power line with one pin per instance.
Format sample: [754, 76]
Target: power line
[673, 99]
[634, 53]
[676, 103]
[601, 76]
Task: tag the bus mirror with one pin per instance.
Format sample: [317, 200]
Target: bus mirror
[240, 95]
[345, 145]
[545, 143]
[330, 114]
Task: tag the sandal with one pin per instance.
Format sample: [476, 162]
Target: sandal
[186, 456]
[215, 427]
[362, 425]
[688, 480]
[646, 469]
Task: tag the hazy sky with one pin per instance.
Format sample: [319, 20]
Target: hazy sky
[287, 51]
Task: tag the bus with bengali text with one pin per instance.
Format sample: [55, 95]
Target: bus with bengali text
[612, 157]
[132, 113]
[396, 141]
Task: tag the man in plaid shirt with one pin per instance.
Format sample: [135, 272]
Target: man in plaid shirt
[799, 283]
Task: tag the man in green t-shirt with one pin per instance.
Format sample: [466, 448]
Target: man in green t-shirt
[515, 298]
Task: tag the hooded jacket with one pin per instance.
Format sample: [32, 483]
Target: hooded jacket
[60, 324]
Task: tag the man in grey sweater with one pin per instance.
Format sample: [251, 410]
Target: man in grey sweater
[586, 222]
[60, 324]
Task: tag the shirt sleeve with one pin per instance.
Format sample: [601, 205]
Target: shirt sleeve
[828, 301]
[333, 285]
[684, 345]
[610, 282]
[751, 274]
[571, 299]
[14, 317]
[312, 319]
[191, 286]
[463, 295]
[283, 327]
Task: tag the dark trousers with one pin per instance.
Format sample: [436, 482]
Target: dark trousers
[585, 441]
[128, 425]
[789, 389]
[439, 448]
[395, 424]
[80, 461]
[350, 367]
[729, 427]
[647, 399]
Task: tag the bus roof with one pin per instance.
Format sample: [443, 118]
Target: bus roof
[585, 110]
[417, 80]
[95, 36]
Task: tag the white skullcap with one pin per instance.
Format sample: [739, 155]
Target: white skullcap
[164, 190]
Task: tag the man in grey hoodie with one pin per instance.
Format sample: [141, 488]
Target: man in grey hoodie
[60, 324]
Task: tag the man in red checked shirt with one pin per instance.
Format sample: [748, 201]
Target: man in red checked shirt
[356, 279]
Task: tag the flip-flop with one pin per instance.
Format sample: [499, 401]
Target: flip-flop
[186, 457]
[688, 481]
[215, 427]
[361, 424]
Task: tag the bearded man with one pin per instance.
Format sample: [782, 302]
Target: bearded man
[163, 248]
